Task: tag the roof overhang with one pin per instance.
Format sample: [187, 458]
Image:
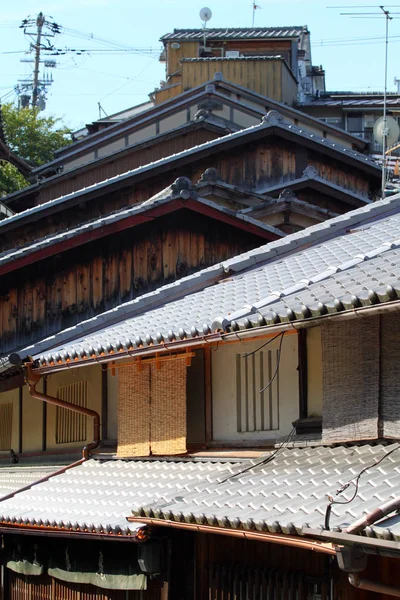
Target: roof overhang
[133, 218]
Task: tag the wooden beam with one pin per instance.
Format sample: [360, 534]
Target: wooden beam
[104, 403]
[20, 411]
[208, 393]
[44, 418]
[303, 372]
[11, 383]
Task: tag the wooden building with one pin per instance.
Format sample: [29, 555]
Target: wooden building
[236, 182]
[177, 375]
[165, 303]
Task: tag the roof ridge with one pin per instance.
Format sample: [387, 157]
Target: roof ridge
[272, 119]
[121, 214]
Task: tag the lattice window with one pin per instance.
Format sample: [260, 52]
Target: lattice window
[71, 426]
[257, 410]
[6, 413]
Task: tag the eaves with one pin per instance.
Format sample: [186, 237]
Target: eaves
[128, 218]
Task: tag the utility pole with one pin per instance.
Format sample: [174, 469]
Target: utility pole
[385, 129]
[35, 88]
[41, 31]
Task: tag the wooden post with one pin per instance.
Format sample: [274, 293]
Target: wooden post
[208, 393]
[303, 391]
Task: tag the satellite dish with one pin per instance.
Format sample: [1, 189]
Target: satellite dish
[393, 131]
[205, 14]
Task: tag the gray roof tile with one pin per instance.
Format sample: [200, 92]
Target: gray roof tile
[321, 264]
[14, 478]
[272, 120]
[283, 495]
[236, 33]
[104, 493]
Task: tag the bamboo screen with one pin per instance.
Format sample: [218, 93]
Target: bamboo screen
[71, 426]
[134, 411]
[350, 359]
[6, 414]
[390, 379]
[152, 409]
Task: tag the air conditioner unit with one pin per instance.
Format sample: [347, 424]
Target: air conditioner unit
[232, 54]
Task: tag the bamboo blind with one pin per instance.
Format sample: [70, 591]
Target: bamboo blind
[6, 414]
[390, 380]
[168, 408]
[134, 411]
[350, 359]
[71, 426]
[152, 409]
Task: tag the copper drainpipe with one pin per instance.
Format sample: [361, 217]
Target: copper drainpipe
[373, 586]
[374, 515]
[32, 378]
[272, 538]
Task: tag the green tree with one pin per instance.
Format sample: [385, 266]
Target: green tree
[31, 137]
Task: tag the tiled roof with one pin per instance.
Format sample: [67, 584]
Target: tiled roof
[347, 261]
[164, 199]
[271, 123]
[236, 33]
[290, 493]
[349, 102]
[14, 478]
[285, 494]
[228, 58]
[101, 495]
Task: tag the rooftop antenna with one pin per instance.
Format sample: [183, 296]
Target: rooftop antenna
[205, 15]
[254, 6]
[387, 15]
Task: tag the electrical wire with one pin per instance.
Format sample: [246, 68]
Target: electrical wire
[266, 460]
[263, 346]
[356, 481]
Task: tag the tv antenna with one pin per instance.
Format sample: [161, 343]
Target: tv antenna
[387, 15]
[205, 16]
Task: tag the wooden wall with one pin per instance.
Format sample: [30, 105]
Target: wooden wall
[221, 559]
[121, 164]
[95, 277]
[266, 77]
[253, 167]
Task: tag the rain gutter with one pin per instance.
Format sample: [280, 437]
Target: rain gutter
[271, 538]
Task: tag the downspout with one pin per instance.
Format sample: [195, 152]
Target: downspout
[32, 378]
[372, 586]
[374, 515]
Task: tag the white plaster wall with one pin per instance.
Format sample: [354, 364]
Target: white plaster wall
[173, 121]
[224, 408]
[110, 148]
[142, 134]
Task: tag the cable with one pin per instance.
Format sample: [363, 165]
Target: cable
[356, 481]
[265, 461]
[263, 346]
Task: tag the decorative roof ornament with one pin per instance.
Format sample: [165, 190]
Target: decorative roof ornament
[310, 172]
[180, 184]
[210, 175]
[273, 117]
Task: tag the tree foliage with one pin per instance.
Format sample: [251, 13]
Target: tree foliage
[32, 137]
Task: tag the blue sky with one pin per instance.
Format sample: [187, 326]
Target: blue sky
[351, 50]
